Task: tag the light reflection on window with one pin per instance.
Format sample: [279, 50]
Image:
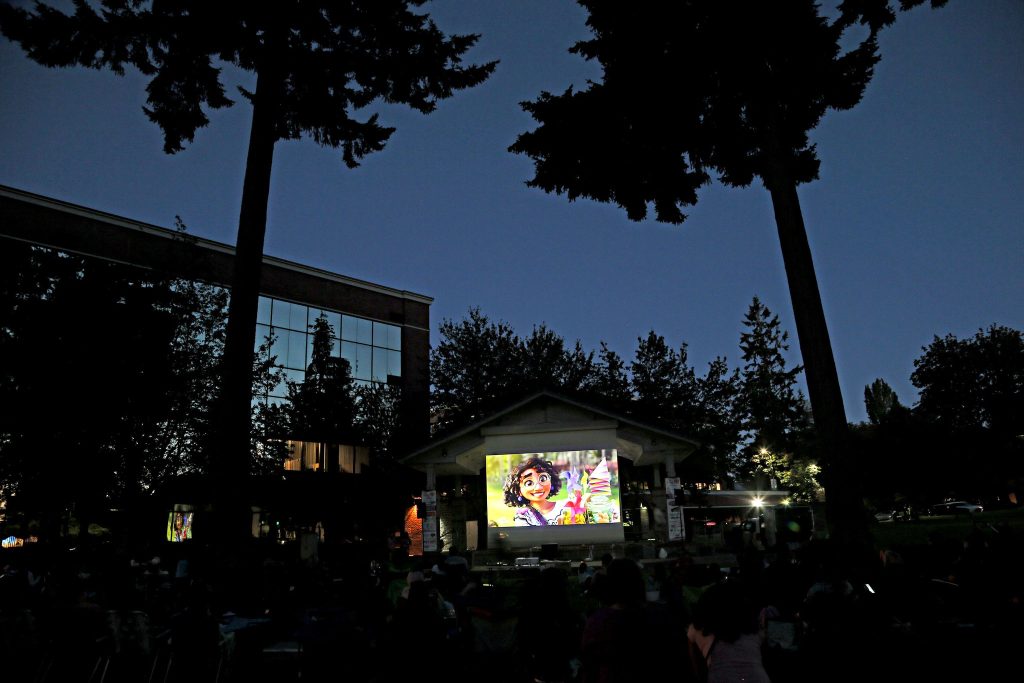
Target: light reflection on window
[372, 349]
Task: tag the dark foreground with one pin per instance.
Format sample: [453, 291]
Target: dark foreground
[928, 613]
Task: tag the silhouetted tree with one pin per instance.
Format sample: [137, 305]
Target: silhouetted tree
[662, 382]
[976, 382]
[318, 65]
[770, 402]
[547, 364]
[881, 402]
[972, 395]
[715, 420]
[772, 410]
[481, 366]
[475, 368]
[379, 420]
[109, 382]
[692, 88]
[609, 382]
[86, 347]
[322, 406]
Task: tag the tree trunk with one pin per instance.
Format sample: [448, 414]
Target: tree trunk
[230, 461]
[844, 506]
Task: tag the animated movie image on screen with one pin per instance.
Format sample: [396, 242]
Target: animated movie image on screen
[554, 488]
[179, 526]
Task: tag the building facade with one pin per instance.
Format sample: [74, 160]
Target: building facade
[383, 332]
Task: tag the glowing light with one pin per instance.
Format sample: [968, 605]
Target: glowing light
[758, 501]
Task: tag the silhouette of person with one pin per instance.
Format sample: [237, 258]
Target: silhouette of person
[626, 625]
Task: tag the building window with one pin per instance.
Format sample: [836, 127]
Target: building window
[373, 349]
[312, 456]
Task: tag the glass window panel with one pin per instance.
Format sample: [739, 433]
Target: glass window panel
[279, 349]
[349, 326]
[261, 336]
[293, 461]
[395, 363]
[279, 391]
[364, 331]
[280, 313]
[380, 365]
[263, 311]
[346, 458]
[297, 317]
[309, 348]
[380, 334]
[295, 375]
[278, 401]
[359, 357]
[394, 337]
[296, 350]
[362, 383]
[364, 356]
[348, 352]
[362, 458]
[333, 319]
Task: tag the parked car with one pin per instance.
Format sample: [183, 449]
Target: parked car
[956, 507]
[899, 514]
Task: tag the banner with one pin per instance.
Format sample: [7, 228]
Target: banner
[430, 528]
[676, 530]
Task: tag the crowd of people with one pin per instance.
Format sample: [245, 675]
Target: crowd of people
[784, 615]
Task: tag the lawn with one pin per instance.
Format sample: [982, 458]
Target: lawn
[947, 530]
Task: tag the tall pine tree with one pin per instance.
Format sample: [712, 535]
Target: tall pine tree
[772, 409]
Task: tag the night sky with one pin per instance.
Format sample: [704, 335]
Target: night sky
[916, 223]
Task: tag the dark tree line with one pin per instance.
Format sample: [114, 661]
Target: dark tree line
[481, 366]
[691, 89]
[964, 438]
[328, 407]
[110, 382]
[318, 66]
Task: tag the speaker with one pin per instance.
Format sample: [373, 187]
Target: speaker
[549, 551]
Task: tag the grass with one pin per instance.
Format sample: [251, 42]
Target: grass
[947, 529]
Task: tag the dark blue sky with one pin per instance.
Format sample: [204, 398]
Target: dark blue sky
[916, 224]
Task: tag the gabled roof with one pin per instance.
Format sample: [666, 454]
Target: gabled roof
[546, 412]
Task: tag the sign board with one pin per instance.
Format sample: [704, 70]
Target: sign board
[430, 528]
[676, 531]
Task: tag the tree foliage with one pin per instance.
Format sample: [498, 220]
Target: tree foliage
[662, 381]
[976, 382]
[109, 382]
[473, 369]
[691, 89]
[772, 407]
[963, 437]
[881, 403]
[322, 407]
[480, 366]
[318, 66]
[379, 421]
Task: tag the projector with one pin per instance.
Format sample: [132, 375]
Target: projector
[527, 561]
